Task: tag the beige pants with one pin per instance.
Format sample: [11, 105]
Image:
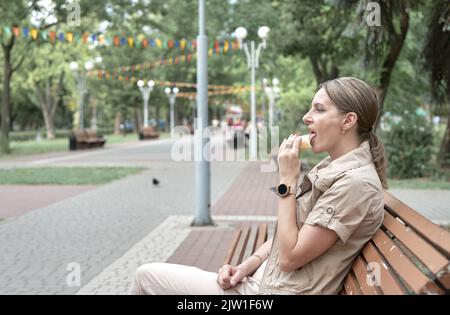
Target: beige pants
[163, 278]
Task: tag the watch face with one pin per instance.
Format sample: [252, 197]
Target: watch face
[282, 189]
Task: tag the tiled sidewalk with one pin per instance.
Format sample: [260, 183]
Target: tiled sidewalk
[247, 201]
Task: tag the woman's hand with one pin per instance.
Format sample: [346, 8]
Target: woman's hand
[288, 160]
[229, 276]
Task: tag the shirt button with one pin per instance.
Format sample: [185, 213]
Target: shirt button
[329, 210]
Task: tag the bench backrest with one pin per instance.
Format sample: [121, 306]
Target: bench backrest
[148, 130]
[408, 255]
[91, 134]
[245, 242]
[80, 134]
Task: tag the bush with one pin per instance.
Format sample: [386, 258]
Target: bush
[409, 146]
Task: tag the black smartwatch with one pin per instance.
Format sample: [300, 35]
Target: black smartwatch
[282, 190]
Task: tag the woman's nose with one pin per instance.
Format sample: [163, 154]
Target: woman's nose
[307, 118]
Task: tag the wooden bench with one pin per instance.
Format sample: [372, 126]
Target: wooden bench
[148, 133]
[408, 255]
[85, 139]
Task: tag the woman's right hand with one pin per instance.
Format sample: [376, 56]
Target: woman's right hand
[229, 276]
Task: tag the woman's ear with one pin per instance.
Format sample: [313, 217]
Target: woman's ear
[349, 120]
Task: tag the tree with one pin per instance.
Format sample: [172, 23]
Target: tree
[436, 54]
[11, 12]
[386, 43]
[18, 14]
[317, 30]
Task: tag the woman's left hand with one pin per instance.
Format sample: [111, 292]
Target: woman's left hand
[288, 160]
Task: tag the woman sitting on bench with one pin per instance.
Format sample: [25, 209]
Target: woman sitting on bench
[322, 227]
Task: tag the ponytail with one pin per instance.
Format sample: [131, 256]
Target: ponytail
[378, 156]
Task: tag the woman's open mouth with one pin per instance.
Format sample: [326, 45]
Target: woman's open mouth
[312, 136]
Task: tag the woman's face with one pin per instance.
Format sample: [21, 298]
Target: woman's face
[324, 123]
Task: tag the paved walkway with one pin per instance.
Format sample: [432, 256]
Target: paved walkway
[95, 228]
[16, 200]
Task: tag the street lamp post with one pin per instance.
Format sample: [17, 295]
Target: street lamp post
[273, 93]
[80, 77]
[202, 164]
[253, 63]
[172, 95]
[146, 90]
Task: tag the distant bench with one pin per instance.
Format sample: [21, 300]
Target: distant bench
[85, 139]
[148, 133]
[409, 254]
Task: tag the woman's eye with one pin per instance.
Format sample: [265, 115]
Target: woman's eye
[320, 110]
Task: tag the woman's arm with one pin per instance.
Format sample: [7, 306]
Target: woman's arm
[297, 246]
[228, 276]
[252, 263]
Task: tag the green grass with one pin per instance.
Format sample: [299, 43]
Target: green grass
[419, 183]
[32, 147]
[65, 175]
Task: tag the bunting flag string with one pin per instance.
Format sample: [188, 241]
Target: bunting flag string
[132, 71]
[217, 46]
[129, 72]
[235, 90]
[213, 89]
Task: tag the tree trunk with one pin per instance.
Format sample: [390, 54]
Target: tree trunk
[117, 120]
[49, 126]
[6, 99]
[444, 152]
[320, 69]
[137, 126]
[390, 60]
[158, 108]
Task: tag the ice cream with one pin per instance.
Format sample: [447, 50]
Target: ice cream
[305, 144]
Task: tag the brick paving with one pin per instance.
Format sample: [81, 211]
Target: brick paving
[17, 200]
[248, 196]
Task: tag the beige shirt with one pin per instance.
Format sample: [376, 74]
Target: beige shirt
[346, 196]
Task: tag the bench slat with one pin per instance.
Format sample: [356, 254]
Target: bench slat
[242, 246]
[436, 235]
[360, 270]
[418, 282]
[261, 236]
[232, 249]
[387, 281]
[351, 285]
[430, 257]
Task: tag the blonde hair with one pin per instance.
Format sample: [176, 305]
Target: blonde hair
[354, 95]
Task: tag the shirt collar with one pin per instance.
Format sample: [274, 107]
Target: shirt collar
[324, 173]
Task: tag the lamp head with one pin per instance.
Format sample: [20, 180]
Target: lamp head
[98, 59]
[263, 32]
[74, 66]
[241, 33]
[275, 81]
[89, 65]
[167, 90]
[151, 83]
[140, 83]
[175, 90]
